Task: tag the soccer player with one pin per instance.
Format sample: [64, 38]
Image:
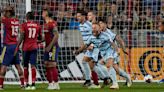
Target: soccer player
[29, 33]
[51, 49]
[11, 27]
[86, 31]
[118, 39]
[97, 68]
[101, 41]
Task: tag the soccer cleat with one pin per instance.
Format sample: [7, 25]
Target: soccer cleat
[33, 87]
[27, 88]
[51, 86]
[114, 86]
[87, 83]
[129, 83]
[1, 88]
[105, 82]
[22, 87]
[93, 86]
[56, 86]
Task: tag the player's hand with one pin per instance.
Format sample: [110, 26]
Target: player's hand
[48, 48]
[90, 47]
[75, 52]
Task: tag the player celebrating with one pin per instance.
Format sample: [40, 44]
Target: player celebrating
[86, 31]
[11, 25]
[116, 38]
[28, 34]
[51, 50]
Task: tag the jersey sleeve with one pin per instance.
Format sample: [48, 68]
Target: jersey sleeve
[88, 42]
[112, 34]
[22, 28]
[4, 19]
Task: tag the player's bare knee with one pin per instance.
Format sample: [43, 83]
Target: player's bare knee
[86, 59]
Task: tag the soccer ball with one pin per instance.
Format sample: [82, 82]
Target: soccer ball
[148, 78]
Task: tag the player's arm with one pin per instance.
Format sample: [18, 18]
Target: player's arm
[40, 36]
[81, 49]
[121, 42]
[114, 46]
[54, 39]
[21, 38]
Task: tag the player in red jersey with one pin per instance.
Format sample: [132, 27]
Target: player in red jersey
[29, 33]
[51, 49]
[11, 25]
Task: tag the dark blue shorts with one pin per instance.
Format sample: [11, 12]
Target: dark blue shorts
[8, 57]
[30, 57]
[52, 55]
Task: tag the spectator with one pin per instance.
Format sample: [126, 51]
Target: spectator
[121, 6]
[70, 5]
[101, 8]
[74, 24]
[61, 20]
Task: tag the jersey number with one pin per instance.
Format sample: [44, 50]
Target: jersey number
[32, 32]
[14, 30]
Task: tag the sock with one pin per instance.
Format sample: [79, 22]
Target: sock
[124, 74]
[87, 71]
[55, 74]
[112, 74]
[26, 75]
[104, 70]
[95, 78]
[22, 81]
[1, 82]
[33, 70]
[48, 74]
[99, 72]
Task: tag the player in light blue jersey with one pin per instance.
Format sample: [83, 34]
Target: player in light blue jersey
[101, 41]
[86, 31]
[116, 39]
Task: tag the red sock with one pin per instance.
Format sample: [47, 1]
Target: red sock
[95, 78]
[33, 70]
[26, 75]
[22, 80]
[55, 74]
[48, 74]
[1, 82]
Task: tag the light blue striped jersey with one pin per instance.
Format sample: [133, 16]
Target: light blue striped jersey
[86, 30]
[111, 34]
[102, 42]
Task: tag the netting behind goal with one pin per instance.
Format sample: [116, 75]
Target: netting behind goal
[136, 21]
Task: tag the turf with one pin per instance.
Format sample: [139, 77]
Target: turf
[75, 87]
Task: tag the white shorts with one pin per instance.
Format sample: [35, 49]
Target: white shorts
[93, 54]
[109, 53]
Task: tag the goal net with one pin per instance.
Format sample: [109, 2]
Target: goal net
[136, 21]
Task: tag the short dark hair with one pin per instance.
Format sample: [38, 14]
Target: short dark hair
[83, 13]
[30, 15]
[48, 12]
[104, 20]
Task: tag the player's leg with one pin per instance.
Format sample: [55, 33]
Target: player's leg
[21, 75]
[123, 74]
[16, 62]
[112, 73]
[87, 71]
[8, 52]
[33, 60]
[26, 59]
[93, 73]
[51, 70]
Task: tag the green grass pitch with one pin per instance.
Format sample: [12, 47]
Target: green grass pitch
[76, 87]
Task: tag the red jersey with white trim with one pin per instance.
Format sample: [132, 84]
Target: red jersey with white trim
[31, 31]
[11, 27]
[48, 31]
